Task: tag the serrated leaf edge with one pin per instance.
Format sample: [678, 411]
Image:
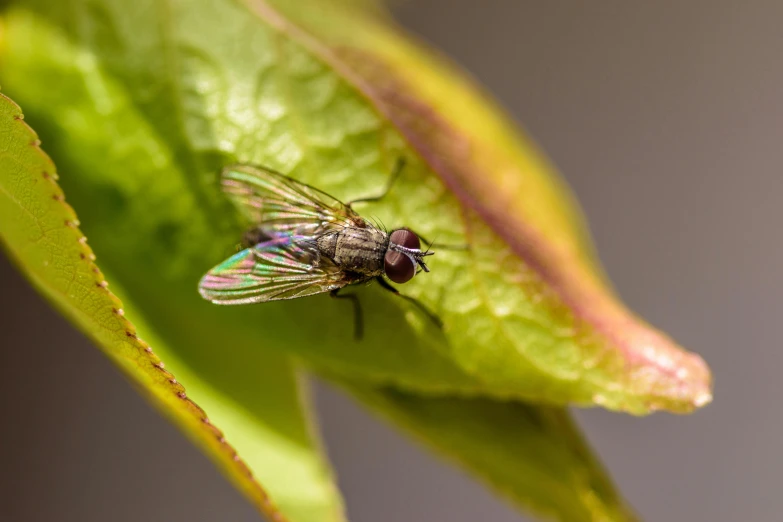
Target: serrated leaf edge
[211, 433]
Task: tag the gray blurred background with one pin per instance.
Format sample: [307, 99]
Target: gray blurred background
[666, 119]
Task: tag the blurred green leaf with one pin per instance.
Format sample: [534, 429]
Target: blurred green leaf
[153, 98]
[533, 455]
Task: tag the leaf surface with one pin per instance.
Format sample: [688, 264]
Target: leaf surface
[525, 311]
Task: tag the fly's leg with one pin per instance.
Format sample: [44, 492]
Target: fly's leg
[398, 167]
[440, 245]
[358, 319]
[426, 311]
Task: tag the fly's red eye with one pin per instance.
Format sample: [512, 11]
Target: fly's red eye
[406, 238]
[399, 267]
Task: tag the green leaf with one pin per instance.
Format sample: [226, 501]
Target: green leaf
[233, 82]
[533, 455]
[152, 98]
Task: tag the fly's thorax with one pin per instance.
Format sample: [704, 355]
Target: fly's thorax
[361, 250]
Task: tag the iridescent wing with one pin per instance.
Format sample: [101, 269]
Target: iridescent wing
[285, 267]
[276, 202]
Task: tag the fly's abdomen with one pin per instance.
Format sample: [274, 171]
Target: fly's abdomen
[361, 250]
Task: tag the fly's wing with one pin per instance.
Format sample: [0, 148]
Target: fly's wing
[285, 267]
[276, 202]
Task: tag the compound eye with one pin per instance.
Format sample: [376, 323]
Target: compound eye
[406, 238]
[398, 267]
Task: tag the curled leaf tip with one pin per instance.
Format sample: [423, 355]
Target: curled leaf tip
[676, 379]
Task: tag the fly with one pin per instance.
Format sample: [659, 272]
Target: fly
[306, 242]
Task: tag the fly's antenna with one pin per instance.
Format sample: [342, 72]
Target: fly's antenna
[414, 254]
[421, 262]
[430, 244]
[410, 252]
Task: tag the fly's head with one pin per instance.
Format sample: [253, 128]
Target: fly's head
[403, 256]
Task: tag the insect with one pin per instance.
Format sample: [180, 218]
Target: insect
[305, 242]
